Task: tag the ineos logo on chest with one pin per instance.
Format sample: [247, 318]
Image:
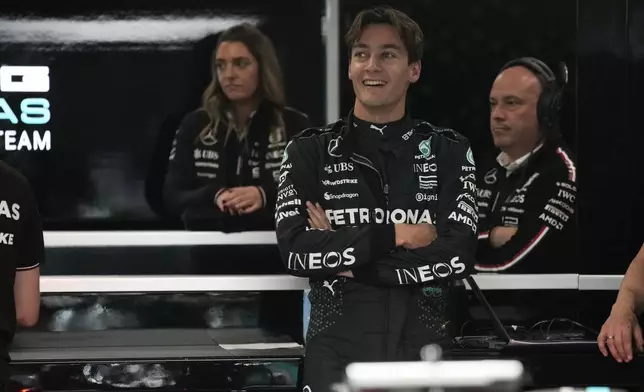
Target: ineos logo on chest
[425, 167]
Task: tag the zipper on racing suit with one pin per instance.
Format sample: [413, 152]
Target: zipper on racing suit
[364, 161]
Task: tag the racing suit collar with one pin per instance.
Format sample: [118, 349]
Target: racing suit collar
[346, 142]
[511, 166]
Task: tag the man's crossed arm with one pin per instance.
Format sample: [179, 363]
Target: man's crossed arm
[395, 254]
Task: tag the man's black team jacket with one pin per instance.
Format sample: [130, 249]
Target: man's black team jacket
[396, 303]
[539, 198]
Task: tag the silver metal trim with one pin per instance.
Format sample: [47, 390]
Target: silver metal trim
[600, 282]
[191, 283]
[169, 283]
[526, 282]
[331, 33]
[89, 239]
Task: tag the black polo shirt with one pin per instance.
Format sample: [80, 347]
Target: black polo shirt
[21, 248]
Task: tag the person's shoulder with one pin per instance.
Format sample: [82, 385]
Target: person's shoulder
[295, 120]
[561, 162]
[14, 184]
[427, 129]
[294, 115]
[195, 121]
[310, 141]
[312, 135]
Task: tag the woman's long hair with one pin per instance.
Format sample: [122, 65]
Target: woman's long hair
[270, 86]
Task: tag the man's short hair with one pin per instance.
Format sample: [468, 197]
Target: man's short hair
[409, 31]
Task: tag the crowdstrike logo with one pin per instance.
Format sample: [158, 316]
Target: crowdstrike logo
[343, 181]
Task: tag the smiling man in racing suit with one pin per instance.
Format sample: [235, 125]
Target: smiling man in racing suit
[378, 211]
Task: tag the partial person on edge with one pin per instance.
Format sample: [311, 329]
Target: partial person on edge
[378, 210]
[526, 192]
[622, 331]
[22, 250]
[225, 160]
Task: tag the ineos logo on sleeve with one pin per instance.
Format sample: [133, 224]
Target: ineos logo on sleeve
[316, 261]
[430, 272]
[24, 79]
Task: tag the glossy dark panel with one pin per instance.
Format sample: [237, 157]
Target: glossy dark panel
[122, 77]
[271, 312]
[160, 260]
[610, 134]
[636, 120]
[274, 374]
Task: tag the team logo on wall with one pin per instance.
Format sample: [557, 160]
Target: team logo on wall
[470, 156]
[29, 109]
[425, 147]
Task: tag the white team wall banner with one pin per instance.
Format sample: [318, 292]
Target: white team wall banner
[25, 111]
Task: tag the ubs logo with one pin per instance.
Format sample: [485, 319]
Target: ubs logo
[339, 167]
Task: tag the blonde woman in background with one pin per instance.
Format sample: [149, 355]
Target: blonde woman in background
[225, 160]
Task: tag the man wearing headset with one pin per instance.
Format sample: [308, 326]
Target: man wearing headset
[526, 191]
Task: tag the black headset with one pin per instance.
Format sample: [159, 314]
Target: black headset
[550, 100]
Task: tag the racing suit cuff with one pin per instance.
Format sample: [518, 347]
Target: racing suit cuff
[263, 195]
[214, 194]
